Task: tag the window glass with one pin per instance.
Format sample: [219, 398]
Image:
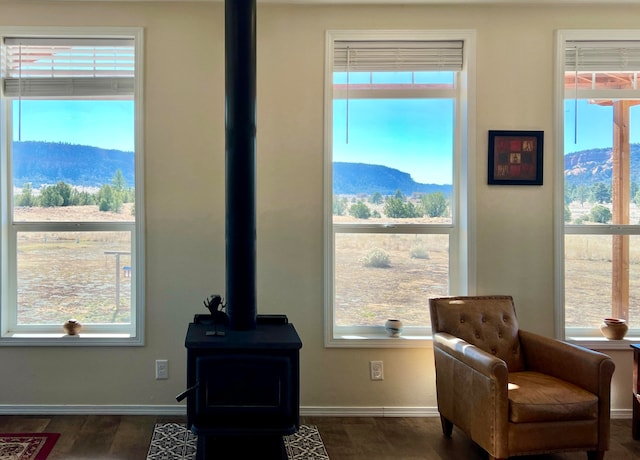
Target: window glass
[80, 275]
[72, 245]
[381, 276]
[601, 175]
[394, 237]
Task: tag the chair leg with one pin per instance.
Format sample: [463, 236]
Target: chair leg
[447, 426]
[595, 455]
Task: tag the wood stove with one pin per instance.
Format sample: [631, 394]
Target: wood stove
[244, 387]
[243, 376]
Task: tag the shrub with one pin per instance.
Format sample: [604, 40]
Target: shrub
[376, 258]
[600, 214]
[376, 198]
[360, 210]
[26, 197]
[434, 204]
[397, 208]
[339, 205]
[109, 199]
[419, 252]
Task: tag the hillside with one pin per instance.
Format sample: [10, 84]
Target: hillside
[595, 165]
[43, 163]
[357, 178]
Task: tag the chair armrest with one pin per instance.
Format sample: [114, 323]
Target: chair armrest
[472, 391]
[585, 368]
[477, 359]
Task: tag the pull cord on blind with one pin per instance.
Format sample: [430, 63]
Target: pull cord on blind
[394, 56]
[67, 67]
[602, 56]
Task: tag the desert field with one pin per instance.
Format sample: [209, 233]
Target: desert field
[78, 275]
[81, 274]
[370, 295]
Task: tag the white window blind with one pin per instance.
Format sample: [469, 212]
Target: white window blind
[602, 56]
[67, 67]
[411, 56]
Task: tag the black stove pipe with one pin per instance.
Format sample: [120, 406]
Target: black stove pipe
[240, 232]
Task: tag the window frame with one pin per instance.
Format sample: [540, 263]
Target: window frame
[461, 231]
[590, 337]
[133, 334]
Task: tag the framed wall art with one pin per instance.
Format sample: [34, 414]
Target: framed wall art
[515, 157]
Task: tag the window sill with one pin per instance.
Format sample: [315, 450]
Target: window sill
[63, 340]
[378, 341]
[602, 343]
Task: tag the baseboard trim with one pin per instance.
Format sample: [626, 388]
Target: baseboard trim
[90, 409]
[308, 411]
[322, 411]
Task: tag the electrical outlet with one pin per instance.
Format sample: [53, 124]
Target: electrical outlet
[162, 369]
[376, 369]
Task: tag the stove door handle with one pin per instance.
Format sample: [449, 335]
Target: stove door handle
[186, 392]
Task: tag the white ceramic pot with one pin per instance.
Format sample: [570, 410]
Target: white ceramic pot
[393, 327]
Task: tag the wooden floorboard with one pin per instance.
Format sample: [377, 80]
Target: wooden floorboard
[114, 437]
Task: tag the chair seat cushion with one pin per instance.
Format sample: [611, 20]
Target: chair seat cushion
[536, 397]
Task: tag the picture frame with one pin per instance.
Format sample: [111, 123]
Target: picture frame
[515, 157]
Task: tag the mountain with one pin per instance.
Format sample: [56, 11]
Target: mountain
[357, 178]
[595, 165]
[42, 163]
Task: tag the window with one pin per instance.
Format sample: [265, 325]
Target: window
[397, 180]
[598, 234]
[71, 186]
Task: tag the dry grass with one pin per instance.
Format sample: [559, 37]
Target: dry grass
[73, 275]
[369, 295]
[69, 275]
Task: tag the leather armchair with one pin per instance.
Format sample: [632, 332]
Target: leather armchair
[514, 392]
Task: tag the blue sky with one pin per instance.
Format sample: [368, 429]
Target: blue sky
[107, 124]
[415, 136]
[412, 135]
[595, 126]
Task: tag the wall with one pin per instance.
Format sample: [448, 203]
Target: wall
[184, 138]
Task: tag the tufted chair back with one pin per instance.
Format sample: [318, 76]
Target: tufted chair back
[488, 322]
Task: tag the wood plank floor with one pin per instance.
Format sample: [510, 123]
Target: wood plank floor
[111, 437]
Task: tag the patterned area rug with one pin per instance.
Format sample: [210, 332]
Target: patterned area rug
[26, 446]
[172, 441]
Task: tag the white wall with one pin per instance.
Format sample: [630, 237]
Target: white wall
[184, 137]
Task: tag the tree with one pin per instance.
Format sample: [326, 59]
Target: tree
[398, 207]
[636, 198]
[581, 194]
[394, 208]
[64, 190]
[108, 199]
[434, 204]
[49, 197]
[119, 184]
[360, 210]
[601, 193]
[339, 205]
[376, 198]
[26, 197]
